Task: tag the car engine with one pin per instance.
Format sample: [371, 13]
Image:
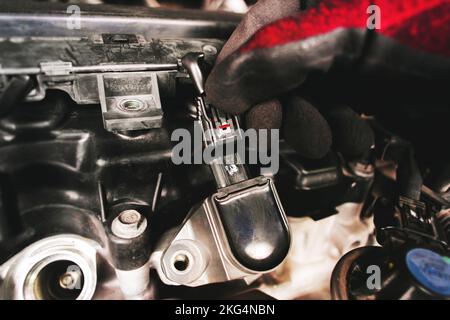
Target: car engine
[99, 200]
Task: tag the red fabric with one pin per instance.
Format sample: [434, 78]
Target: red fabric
[420, 24]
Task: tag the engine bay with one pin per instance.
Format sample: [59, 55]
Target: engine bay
[99, 200]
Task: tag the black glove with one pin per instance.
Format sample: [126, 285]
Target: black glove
[282, 50]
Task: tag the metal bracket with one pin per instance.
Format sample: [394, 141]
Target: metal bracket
[56, 68]
[130, 101]
[226, 237]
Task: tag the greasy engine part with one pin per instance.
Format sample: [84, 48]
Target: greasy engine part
[237, 233]
[61, 267]
[128, 243]
[415, 217]
[413, 262]
[231, 241]
[31, 19]
[91, 204]
[62, 173]
[417, 273]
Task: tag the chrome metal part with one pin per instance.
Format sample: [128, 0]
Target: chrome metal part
[51, 21]
[54, 268]
[73, 64]
[133, 278]
[134, 283]
[62, 68]
[208, 249]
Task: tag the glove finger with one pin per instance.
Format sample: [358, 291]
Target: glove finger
[305, 129]
[311, 132]
[267, 115]
[352, 135]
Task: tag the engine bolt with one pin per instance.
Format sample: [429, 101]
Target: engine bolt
[69, 280]
[129, 224]
[129, 217]
[66, 280]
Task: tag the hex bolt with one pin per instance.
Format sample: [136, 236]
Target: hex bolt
[66, 280]
[129, 224]
[130, 217]
[70, 279]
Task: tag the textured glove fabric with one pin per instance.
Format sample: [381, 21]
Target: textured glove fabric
[413, 40]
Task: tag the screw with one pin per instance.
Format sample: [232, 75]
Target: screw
[129, 217]
[66, 280]
[69, 280]
[129, 224]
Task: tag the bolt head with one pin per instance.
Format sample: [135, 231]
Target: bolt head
[66, 280]
[129, 217]
[129, 224]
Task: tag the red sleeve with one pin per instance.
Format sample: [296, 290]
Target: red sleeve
[420, 24]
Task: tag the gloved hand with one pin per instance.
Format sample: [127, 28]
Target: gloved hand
[286, 48]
